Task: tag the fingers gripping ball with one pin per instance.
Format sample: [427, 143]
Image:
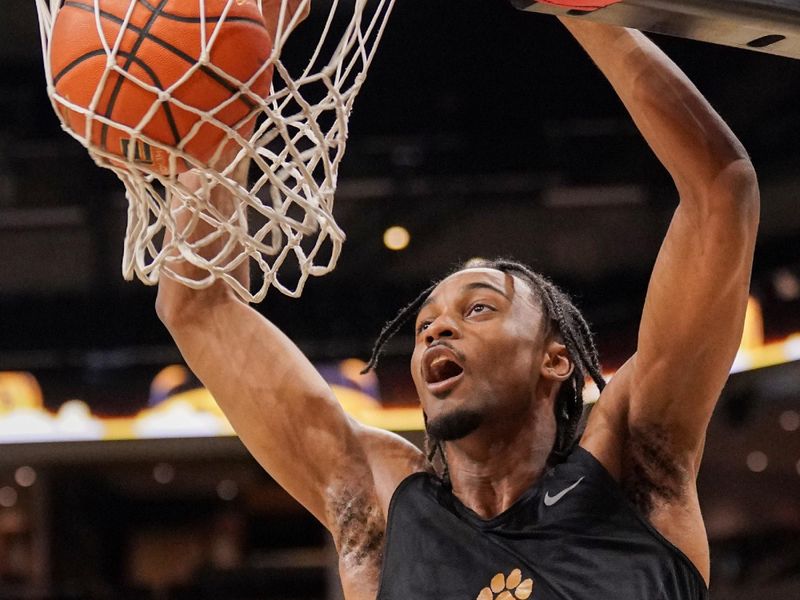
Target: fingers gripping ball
[161, 42]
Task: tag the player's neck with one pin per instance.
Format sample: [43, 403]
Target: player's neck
[490, 470]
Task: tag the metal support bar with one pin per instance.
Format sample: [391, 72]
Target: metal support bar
[771, 26]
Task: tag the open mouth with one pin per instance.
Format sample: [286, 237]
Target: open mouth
[441, 369]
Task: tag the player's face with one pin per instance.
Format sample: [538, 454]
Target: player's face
[479, 345]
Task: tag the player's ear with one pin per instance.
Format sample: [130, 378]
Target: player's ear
[556, 363]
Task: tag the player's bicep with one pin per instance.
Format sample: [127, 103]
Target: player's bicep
[279, 405]
[694, 312]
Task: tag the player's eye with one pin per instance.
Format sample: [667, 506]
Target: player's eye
[478, 308]
[422, 326]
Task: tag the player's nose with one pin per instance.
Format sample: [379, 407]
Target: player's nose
[443, 327]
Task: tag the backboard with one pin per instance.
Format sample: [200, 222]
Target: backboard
[771, 26]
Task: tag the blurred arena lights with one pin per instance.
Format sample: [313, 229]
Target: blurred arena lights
[396, 238]
[163, 473]
[25, 476]
[8, 496]
[790, 420]
[768, 355]
[193, 413]
[757, 461]
[786, 284]
[227, 489]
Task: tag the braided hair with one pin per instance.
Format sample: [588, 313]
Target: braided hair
[561, 318]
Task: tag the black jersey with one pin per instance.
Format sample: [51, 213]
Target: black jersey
[572, 536]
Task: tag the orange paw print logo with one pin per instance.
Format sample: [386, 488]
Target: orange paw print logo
[508, 588]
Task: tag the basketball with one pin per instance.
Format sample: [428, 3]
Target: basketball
[159, 86]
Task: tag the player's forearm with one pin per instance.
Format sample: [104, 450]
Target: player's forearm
[684, 131]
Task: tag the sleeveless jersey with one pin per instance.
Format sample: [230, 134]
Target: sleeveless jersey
[571, 536]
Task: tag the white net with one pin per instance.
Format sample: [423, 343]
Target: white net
[205, 111]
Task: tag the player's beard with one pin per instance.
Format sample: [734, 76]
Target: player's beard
[454, 425]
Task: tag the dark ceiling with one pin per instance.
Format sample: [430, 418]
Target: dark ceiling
[483, 130]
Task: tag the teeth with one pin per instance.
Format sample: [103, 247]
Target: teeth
[439, 360]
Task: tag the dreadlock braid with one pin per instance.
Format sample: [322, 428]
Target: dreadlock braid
[393, 326]
[562, 318]
[434, 447]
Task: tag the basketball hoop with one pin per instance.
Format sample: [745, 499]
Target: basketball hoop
[283, 220]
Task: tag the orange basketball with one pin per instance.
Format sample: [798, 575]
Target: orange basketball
[162, 41]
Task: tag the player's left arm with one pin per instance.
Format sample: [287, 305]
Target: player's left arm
[662, 399]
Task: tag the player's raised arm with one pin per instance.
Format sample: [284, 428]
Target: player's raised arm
[693, 316]
[649, 425]
[282, 409]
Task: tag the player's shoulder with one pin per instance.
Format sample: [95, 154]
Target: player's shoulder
[386, 444]
[391, 458]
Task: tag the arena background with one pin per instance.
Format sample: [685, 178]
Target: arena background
[481, 130]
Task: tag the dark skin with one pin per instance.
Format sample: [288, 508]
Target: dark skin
[649, 425]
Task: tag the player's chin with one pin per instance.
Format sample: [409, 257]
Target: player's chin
[454, 424]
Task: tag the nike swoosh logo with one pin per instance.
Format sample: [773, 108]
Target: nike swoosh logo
[550, 500]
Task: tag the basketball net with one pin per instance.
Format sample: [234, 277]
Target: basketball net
[283, 220]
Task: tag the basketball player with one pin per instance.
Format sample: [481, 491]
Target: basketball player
[519, 505]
